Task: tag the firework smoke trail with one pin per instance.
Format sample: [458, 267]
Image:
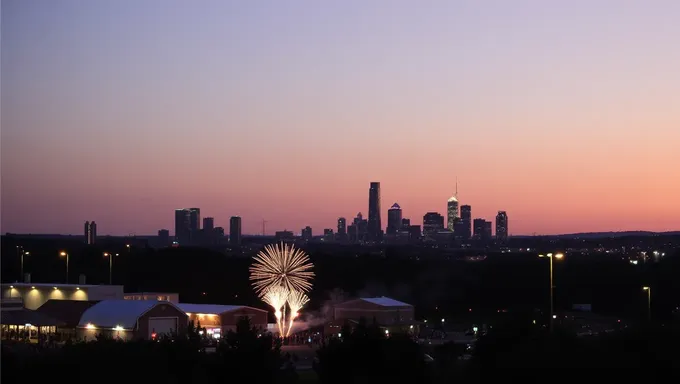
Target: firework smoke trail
[296, 300]
[281, 265]
[276, 297]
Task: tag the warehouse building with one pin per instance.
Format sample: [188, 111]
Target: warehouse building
[220, 319]
[158, 296]
[34, 295]
[68, 313]
[19, 323]
[391, 315]
[132, 319]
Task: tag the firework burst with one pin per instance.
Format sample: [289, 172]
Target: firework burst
[277, 297]
[296, 300]
[281, 265]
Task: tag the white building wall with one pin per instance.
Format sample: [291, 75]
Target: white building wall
[36, 295]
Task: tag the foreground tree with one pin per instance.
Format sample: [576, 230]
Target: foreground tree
[366, 354]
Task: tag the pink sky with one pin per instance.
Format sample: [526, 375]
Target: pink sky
[566, 117]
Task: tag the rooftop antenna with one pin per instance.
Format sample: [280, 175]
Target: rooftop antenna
[456, 187]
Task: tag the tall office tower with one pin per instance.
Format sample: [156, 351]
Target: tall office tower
[342, 226]
[208, 224]
[432, 222]
[486, 234]
[90, 232]
[452, 210]
[306, 233]
[235, 231]
[182, 226]
[194, 219]
[393, 219]
[478, 228]
[466, 218]
[405, 223]
[502, 227]
[374, 223]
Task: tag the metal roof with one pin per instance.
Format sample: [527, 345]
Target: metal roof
[67, 311]
[114, 313]
[26, 316]
[208, 309]
[385, 302]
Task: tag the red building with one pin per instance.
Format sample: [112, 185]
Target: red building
[220, 319]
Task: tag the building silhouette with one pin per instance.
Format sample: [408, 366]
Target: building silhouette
[235, 231]
[90, 232]
[182, 226]
[502, 227]
[342, 226]
[357, 231]
[432, 223]
[394, 217]
[374, 222]
[208, 224]
[163, 237]
[466, 221]
[306, 233]
[478, 226]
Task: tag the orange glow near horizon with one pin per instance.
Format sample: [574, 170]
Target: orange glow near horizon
[564, 116]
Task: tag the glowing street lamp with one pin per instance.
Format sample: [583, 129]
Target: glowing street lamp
[551, 256]
[22, 253]
[64, 254]
[649, 302]
[110, 256]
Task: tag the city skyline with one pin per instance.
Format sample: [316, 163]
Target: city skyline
[121, 112]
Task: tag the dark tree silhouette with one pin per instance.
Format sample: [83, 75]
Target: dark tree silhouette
[365, 354]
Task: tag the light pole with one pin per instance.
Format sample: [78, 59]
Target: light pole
[110, 256]
[22, 253]
[649, 302]
[550, 256]
[62, 254]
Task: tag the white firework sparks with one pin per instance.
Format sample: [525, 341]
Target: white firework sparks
[296, 300]
[281, 265]
[277, 297]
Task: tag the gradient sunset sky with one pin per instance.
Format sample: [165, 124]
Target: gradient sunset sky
[566, 114]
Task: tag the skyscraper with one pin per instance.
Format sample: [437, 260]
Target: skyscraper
[208, 224]
[432, 222]
[194, 219]
[502, 227]
[90, 232]
[374, 223]
[306, 233]
[452, 210]
[235, 231]
[342, 226]
[466, 218]
[479, 228]
[394, 217]
[182, 226]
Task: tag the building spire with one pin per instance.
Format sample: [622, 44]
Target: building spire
[456, 187]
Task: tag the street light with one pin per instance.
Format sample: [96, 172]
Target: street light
[110, 256]
[551, 256]
[22, 253]
[649, 302]
[62, 254]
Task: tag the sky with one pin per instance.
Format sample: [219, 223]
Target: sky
[565, 114]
